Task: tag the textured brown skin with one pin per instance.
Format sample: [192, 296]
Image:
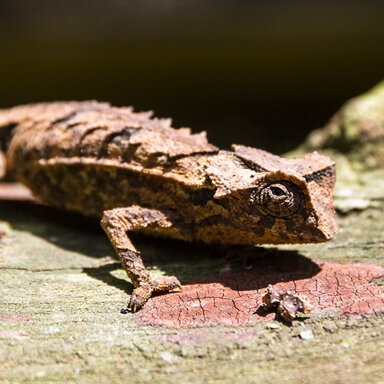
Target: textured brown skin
[137, 173]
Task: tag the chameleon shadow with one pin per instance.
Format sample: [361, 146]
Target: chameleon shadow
[260, 267]
[192, 263]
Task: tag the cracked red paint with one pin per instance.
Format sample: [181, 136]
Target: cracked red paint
[233, 299]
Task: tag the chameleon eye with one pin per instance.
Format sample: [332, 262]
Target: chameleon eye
[277, 192]
[280, 199]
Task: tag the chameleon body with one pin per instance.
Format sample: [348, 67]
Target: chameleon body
[137, 173]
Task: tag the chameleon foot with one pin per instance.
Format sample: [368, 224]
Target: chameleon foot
[141, 294]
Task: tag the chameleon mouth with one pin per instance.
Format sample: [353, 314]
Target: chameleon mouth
[327, 228]
[323, 209]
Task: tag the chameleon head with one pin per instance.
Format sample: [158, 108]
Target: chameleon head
[287, 208]
[271, 200]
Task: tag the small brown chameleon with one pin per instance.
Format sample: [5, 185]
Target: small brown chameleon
[137, 173]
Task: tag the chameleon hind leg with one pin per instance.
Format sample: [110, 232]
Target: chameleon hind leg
[116, 223]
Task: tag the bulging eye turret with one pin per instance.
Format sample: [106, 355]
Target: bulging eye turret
[280, 199]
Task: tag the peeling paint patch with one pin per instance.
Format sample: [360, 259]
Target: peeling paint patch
[234, 299]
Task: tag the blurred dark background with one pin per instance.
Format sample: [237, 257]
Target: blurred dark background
[258, 73]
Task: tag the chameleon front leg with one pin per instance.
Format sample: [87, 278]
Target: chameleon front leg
[116, 223]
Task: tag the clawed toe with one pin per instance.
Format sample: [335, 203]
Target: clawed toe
[141, 294]
[133, 306]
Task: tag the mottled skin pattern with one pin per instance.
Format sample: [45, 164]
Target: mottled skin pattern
[137, 173]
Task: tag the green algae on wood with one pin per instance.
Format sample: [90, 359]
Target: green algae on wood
[354, 139]
[357, 130]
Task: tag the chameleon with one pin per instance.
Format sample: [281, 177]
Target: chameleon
[136, 173]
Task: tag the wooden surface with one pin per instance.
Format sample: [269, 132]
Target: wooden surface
[62, 291]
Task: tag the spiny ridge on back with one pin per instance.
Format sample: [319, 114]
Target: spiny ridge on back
[97, 130]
